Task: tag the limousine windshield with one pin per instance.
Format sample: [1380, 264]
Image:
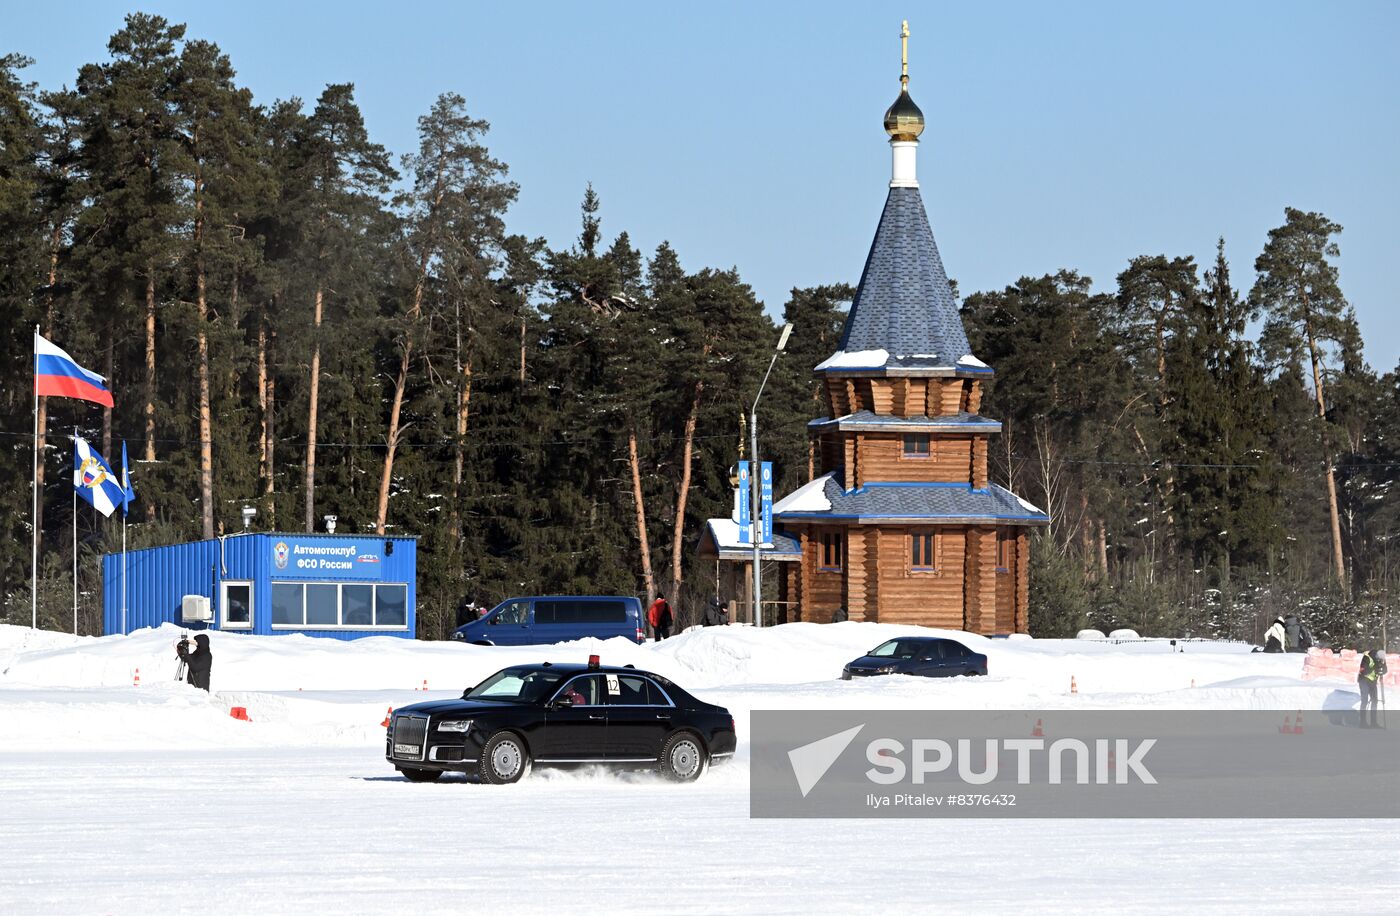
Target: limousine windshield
[515, 685]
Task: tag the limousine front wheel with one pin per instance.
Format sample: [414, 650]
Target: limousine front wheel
[683, 758]
[504, 759]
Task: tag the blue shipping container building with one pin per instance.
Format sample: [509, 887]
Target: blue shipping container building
[343, 586]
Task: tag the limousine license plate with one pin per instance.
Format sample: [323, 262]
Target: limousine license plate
[412, 750]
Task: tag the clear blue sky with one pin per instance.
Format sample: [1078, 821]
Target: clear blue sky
[1060, 135]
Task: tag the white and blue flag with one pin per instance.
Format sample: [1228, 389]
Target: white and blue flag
[94, 478]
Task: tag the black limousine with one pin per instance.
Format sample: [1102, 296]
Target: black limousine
[548, 714]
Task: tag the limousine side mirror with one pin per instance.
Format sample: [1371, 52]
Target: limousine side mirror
[563, 701]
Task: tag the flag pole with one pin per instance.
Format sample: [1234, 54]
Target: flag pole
[36, 506]
[75, 544]
[123, 571]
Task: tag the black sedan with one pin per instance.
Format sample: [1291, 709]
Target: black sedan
[925, 656]
[556, 715]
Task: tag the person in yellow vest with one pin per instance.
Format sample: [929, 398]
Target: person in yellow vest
[1368, 678]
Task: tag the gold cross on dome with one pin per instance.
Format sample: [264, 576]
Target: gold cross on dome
[904, 49]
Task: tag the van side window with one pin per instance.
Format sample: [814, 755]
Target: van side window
[602, 612]
[515, 612]
[575, 611]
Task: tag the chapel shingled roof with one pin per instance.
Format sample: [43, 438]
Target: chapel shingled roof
[945, 503]
[905, 304]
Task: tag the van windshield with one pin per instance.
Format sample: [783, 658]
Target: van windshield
[512, 612]
[515, 685]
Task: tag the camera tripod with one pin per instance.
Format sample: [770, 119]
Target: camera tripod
[181, 649]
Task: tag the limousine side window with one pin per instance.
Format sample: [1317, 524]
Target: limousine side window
[584, 691]
[637, 691]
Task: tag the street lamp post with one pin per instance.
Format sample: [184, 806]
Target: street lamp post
[755, 473]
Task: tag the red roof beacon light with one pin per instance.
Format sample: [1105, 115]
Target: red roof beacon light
[592, 661]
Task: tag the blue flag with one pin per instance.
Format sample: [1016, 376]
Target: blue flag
[128, 491]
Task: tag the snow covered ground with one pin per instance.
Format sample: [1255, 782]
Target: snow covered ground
[152, 799]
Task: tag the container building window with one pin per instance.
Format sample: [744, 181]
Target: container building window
[322, 608]
[390, 605]
[287, 607]
[916, 445]
[332, 605]
[357, 605]
[238, 605]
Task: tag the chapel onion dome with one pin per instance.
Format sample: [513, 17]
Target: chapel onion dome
[904, 120]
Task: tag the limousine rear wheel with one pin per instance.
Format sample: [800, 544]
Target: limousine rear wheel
[504, 759]
[415, 775]
[683, 757]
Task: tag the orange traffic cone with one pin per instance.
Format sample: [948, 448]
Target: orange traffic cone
[1073, 686]
[1287, 727]
[425, 685]
[1039, 730]
[240, 713]
[1298, 723]
[136, 681]
[385, 723]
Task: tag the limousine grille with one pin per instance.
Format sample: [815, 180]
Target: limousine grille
[410, 737]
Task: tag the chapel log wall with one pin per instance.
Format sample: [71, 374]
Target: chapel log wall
[902, 397]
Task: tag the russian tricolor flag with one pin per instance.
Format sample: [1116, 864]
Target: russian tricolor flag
[57, 375]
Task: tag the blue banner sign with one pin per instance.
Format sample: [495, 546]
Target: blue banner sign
[744, 487]
[325, 558]
[765, 496]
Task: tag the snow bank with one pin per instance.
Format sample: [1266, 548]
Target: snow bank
[302, 691]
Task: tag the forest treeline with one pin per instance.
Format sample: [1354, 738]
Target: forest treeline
[293, 318]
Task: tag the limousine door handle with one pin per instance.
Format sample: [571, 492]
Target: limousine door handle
[595, 717]
[663, 715]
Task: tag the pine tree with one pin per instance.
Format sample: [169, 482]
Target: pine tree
[210, 118]
[127, 154]
[1218, 429]
[1306, 312]
[22, 244]
[453, 222]
[342, 178]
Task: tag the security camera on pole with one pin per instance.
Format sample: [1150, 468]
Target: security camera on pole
[761, 481]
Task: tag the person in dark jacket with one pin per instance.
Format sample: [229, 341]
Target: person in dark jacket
[197, 661]
[1368, 677]
[716, 613]
[1292, 632]
[660, 617]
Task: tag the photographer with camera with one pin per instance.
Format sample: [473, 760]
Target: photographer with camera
[197, 662]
